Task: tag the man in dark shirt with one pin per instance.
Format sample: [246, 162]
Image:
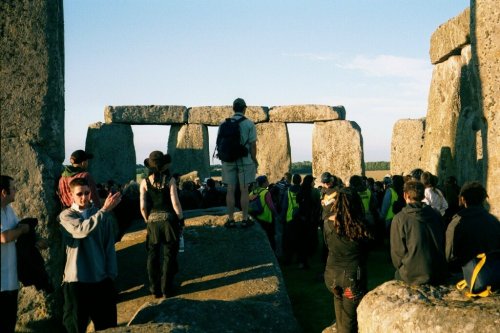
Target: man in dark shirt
[417, 240]
[472, 230]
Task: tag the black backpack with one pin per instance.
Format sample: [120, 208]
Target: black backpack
[228, 147]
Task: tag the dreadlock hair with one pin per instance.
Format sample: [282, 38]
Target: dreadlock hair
[348, 219]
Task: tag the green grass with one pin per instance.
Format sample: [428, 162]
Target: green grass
[312, 303]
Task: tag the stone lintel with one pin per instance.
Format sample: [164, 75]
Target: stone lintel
[450, 37]
[307, 113]
[215, 115]
[146, 114]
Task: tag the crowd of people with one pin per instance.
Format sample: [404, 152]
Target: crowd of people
[431, 231]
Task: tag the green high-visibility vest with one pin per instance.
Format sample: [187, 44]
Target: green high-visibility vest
[267, 215]
[293, 206]
[365, 198]
[394, 198]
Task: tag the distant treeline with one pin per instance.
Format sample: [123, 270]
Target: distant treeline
[304, 167]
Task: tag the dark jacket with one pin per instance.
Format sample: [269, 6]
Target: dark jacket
[417, 245]
[472, 231]
[30, 264]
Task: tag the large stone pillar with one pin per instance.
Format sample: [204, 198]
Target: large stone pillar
[114, 152]
[485, 40]
[406, 145]
[32, 130]
[338, 148]
[273, 150]
[188, 146]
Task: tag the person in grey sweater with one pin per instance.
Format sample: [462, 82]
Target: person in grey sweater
[417, 240]
[91, 266]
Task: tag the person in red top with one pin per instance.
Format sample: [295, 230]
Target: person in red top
[77, 169]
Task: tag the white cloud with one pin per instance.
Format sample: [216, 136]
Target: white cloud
[390, 66]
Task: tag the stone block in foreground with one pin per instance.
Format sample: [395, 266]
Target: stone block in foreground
[450, 37]
[395, 307]
[406, 145]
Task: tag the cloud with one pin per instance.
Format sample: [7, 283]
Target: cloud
[390, 66]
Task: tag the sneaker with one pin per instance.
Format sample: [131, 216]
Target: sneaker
[230, 224]
[246, 223]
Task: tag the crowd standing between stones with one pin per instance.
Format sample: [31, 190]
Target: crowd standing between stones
[430, 232]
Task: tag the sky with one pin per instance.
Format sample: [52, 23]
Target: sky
[371, 56]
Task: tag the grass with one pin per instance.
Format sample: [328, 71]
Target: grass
[312, 303]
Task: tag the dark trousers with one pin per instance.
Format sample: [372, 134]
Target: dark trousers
[162, 235]
[268, 227]
[89, 301]
[8, 311]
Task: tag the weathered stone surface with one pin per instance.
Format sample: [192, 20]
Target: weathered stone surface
[151, 114]
[449, 94]
[486, 54]
[215, 115]
[406, 145]
[114, 152]
[273, 150]
[188, 146]
[221, 289]
[450, 37]
[395, 307]
[32, 129]
[337, 148]
[306, 113]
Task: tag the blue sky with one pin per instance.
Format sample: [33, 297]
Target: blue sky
[372, 57]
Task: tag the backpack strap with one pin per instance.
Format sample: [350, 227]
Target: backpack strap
[462, 284]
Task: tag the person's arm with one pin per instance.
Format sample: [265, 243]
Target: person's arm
[269, 201]
[11, 235]
[253, 153]
[143, 189]
[175, 199]
[397, 243]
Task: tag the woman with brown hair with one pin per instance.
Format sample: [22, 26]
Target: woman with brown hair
[346, 235]
[164, 219]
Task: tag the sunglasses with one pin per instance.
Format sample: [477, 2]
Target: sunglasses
[79, 194]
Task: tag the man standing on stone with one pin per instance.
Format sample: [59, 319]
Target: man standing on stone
[77, 169]
[242, 171]
[417, 240]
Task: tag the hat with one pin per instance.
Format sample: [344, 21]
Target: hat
[239, 105]
[157, 161]
[326, 177]
[80, 156]
[261, 179]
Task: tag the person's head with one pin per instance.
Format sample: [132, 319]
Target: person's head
[7, 189]
[327, 179]
[80, 192]
[239, 105]
[472, 194]
[296, 179]
[398, 183]
[262, 181]
[287, 177]
[416, 174]
[158, 162]
[308, 181]
[387, 181]
[413, 191]
[210, 183]
[356, 182]
[348, 218]
[426, 179]
[80, 158]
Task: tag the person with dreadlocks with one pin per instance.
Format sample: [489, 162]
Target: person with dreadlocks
[346, 234]
[164, 223]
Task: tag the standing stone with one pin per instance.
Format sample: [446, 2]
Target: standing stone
[447, 98]
[215, 115]
[337, 148]
[188, 146]
[306, 113]
[406, 145]
[141, 115]
[114, 152]
[485, 39]
[32, 131]
[273, 150]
